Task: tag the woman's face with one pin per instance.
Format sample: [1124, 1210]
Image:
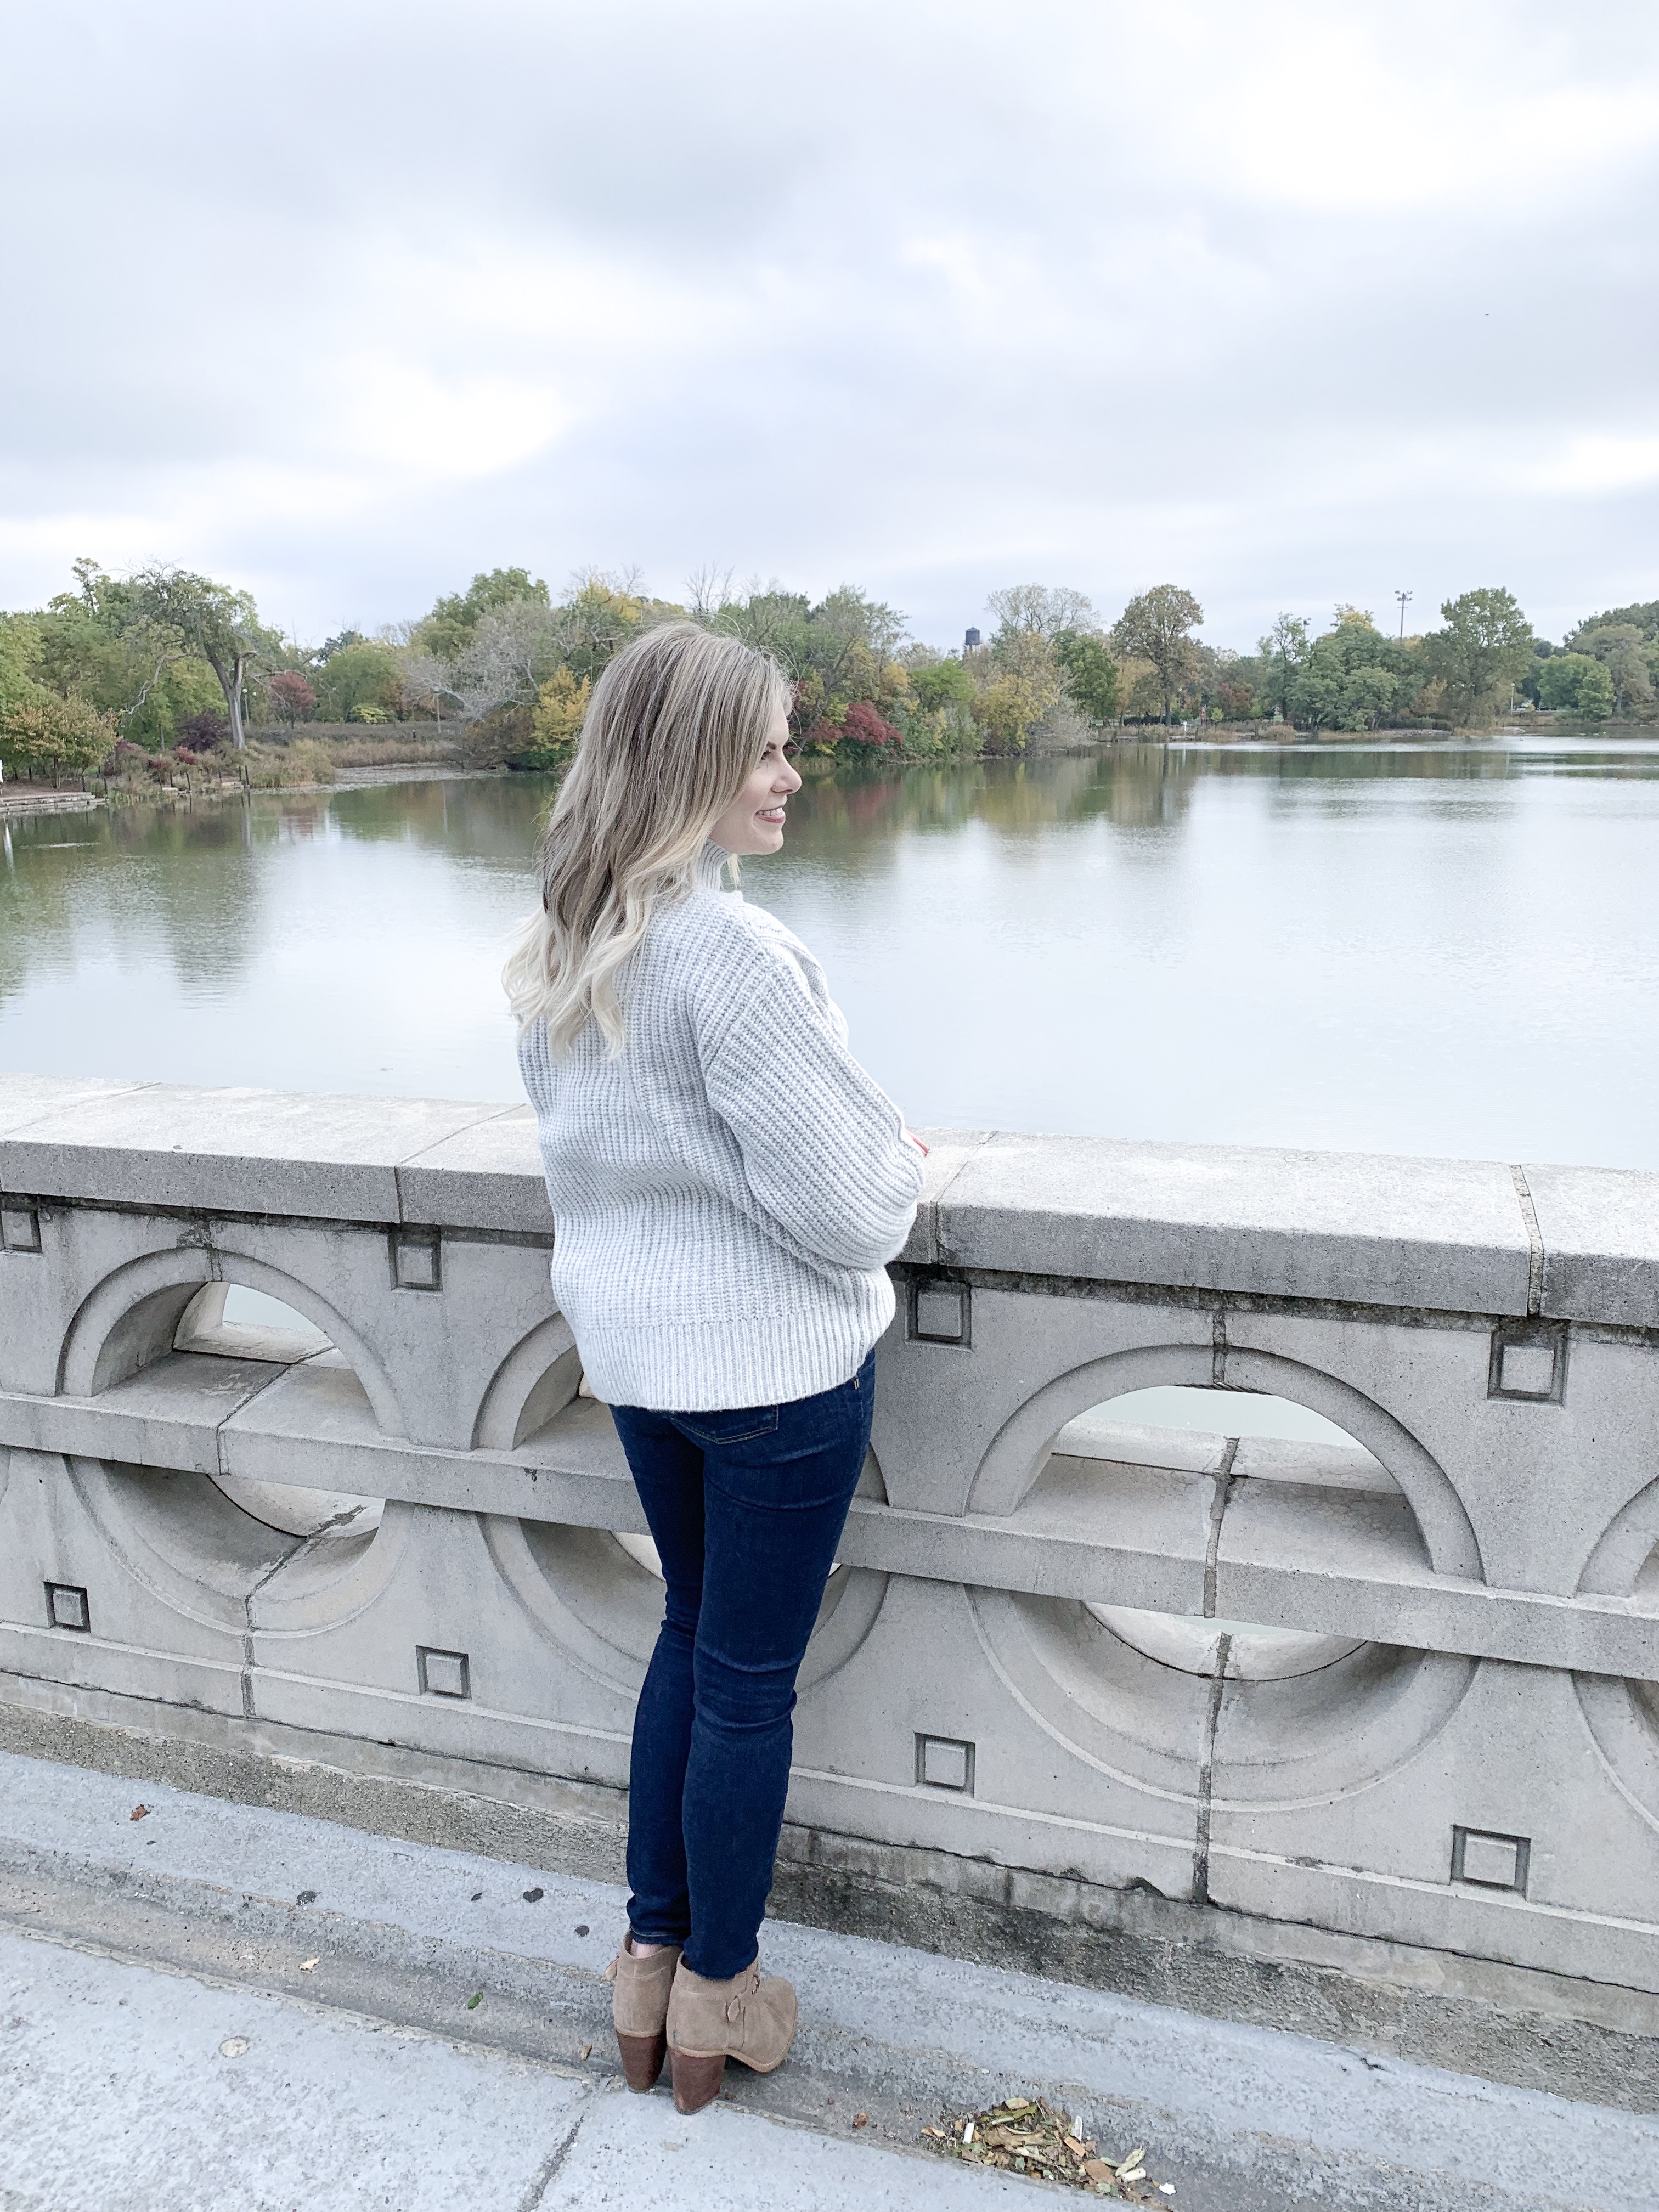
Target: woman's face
[753, 823]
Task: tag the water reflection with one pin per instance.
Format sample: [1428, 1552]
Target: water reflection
[1134, 785]
[126, 888]
[1445, 947]
[482, 819]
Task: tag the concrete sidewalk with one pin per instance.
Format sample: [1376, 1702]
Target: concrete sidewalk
[122, 2086]
[214, 2006]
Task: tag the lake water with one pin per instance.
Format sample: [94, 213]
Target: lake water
[1449, 948]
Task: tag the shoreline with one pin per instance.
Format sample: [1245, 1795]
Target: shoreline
[22, 802]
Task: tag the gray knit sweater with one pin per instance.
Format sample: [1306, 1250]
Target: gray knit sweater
[726, 1190]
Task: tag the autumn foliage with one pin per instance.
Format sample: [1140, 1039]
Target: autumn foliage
[864, 725]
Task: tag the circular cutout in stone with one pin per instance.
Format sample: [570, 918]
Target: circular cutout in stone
[1306, 1714]
[1624, 1714]
[229, 1321]
[1253, 1654]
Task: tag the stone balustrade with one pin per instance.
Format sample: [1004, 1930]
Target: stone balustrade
[1400, 1694]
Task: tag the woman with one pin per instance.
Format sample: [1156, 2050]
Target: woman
[727, 1184]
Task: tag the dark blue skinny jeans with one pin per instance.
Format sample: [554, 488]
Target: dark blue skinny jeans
[747, 1508]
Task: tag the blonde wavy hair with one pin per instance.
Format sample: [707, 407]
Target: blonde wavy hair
[676, 726]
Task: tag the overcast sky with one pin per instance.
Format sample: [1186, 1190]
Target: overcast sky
[1287, 303]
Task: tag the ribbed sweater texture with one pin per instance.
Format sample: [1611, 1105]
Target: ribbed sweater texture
[727, 1189]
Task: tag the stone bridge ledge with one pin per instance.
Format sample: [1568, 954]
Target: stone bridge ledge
[1397, 1694]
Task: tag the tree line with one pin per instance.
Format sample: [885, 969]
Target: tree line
[165, 665]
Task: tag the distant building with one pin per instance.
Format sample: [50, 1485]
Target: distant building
[971, 640]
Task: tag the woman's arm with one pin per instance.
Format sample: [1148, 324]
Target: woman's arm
[825, 1149]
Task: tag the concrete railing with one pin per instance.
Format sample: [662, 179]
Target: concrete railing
[385, 1545]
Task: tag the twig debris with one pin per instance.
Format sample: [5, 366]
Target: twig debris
[1024, 2135]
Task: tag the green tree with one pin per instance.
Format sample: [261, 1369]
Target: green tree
[838, 652]
[42, 734]
[1093, 676]
[1280, 653]
[1596, 695]
[363, 673]
[449, 630]
[848, 640]
[773, 621]
[19, 658]
[181, 687]
[1643, 615]
[96, 643]
[43, 729]
[1576, 684]
[1156, 626]
[940, 685]
[1623, 652]
[1350, 678]
[219, 625]
[1485, 647]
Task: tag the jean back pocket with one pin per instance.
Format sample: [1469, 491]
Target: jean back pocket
[738, 1425]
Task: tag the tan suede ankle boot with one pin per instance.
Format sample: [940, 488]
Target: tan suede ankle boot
[708, 2022]
[639, 2008]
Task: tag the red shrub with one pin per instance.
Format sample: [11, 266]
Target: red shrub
[203, 732]
[866, 727]
[291, 696]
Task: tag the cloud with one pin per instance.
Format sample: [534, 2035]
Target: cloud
[400, 414]
[1588, 467]
[1287, 303]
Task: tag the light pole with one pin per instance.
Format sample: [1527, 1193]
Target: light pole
[1402, 596]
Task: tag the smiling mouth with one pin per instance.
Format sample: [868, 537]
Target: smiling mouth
[773, 814]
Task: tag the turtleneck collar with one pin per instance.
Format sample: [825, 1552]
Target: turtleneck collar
[711, 861]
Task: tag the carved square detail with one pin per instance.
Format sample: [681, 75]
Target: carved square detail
[20, 1225]
[417, 1261]
[443, 1673]
[1491, 1860]
[1529, 1362]
[944, 1762]
[67, 1606]
[941, 1313]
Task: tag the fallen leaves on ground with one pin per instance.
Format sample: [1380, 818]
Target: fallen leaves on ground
[1024, 2135]
[139, 1812]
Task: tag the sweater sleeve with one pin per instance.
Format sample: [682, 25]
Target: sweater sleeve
[822, 1146]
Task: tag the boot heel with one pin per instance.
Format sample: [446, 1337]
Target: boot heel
[697, 2080]
[642, 2057]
